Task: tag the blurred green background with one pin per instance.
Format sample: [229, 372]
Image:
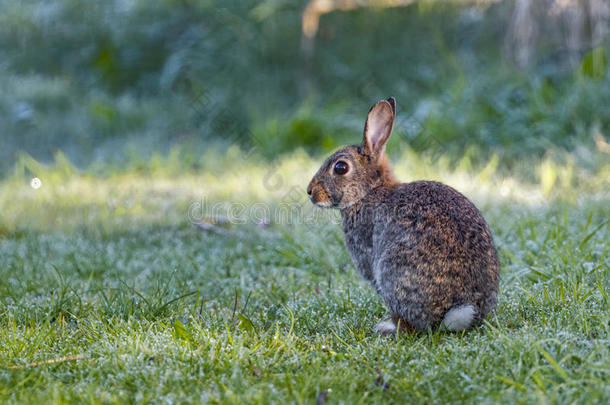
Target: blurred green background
[125, 83]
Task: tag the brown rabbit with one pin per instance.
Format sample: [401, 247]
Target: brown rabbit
[424, 246]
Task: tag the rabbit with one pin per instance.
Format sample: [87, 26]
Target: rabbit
[423, 246]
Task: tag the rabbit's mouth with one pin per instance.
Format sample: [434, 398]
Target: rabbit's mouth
[321, 199]
[324, 204]
[319, 196]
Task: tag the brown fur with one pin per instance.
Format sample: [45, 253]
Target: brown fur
[402, 325]
[423, 246]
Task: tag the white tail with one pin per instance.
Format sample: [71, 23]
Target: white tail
[459, 318]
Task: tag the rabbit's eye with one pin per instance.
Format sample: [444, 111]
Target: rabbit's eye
[341, 167]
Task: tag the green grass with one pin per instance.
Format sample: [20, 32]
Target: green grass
[147, 102]
[107, 265]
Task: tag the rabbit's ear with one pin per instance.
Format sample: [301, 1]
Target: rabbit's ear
[378, 127]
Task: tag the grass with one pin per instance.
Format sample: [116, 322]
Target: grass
[109, 292]
[108, 266]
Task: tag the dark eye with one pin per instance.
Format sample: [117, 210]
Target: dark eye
[341, 167]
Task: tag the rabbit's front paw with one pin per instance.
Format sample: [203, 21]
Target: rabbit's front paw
[386, 328]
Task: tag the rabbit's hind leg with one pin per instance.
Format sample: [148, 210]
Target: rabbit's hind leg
[396, 324]
[403, 325]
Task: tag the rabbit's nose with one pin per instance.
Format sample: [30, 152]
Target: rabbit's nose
[309, 190]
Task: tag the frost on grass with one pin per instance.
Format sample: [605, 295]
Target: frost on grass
[164, 312]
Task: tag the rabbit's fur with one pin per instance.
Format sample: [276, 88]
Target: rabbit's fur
[423, 246]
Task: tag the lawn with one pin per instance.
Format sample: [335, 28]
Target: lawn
[129, 285]
[157, 245]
